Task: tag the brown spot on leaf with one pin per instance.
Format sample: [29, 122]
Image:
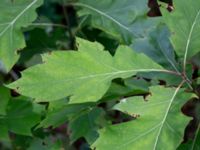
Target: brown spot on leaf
[135, 115]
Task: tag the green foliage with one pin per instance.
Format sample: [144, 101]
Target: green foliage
[159, 122]
[90, 74]
[14, 16]
[20, 115]
[158, 47]
[4, 99]
[186, 27]
[94, 68]
[89, 121]
[124, 20]
[193, 144]
[57, 116]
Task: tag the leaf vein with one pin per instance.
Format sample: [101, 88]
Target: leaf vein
[105, 15]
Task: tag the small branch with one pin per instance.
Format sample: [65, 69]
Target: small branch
[67, 20]
[172, 72]
[49, 24]
[14, 75]
[80, 24]
[187, 80]
[189, 85]
[183, 75]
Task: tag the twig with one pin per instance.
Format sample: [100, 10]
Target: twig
[49, 24]
[14, 75]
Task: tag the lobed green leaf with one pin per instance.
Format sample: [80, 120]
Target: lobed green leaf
[13, 16]
[85, 75]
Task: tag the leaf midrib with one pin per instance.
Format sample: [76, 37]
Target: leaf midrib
[189, 37]
[168, 58]
[104, 14]
[10, 24]
[110, 74]
[166, 114]
[160, 124]
[140, 136]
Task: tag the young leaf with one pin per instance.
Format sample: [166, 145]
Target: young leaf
[13, 16]
[184, 23]
[85, 75]
[160, 122]
[124, 20]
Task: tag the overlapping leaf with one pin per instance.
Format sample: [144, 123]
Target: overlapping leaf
[192, 144]
[60, 115]
[21, 115]
[132, 87]
[13, 16]
[160, 123]
[158, 47]
[84, 75]
[86, 125]
[124, 20]
[184, 23]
